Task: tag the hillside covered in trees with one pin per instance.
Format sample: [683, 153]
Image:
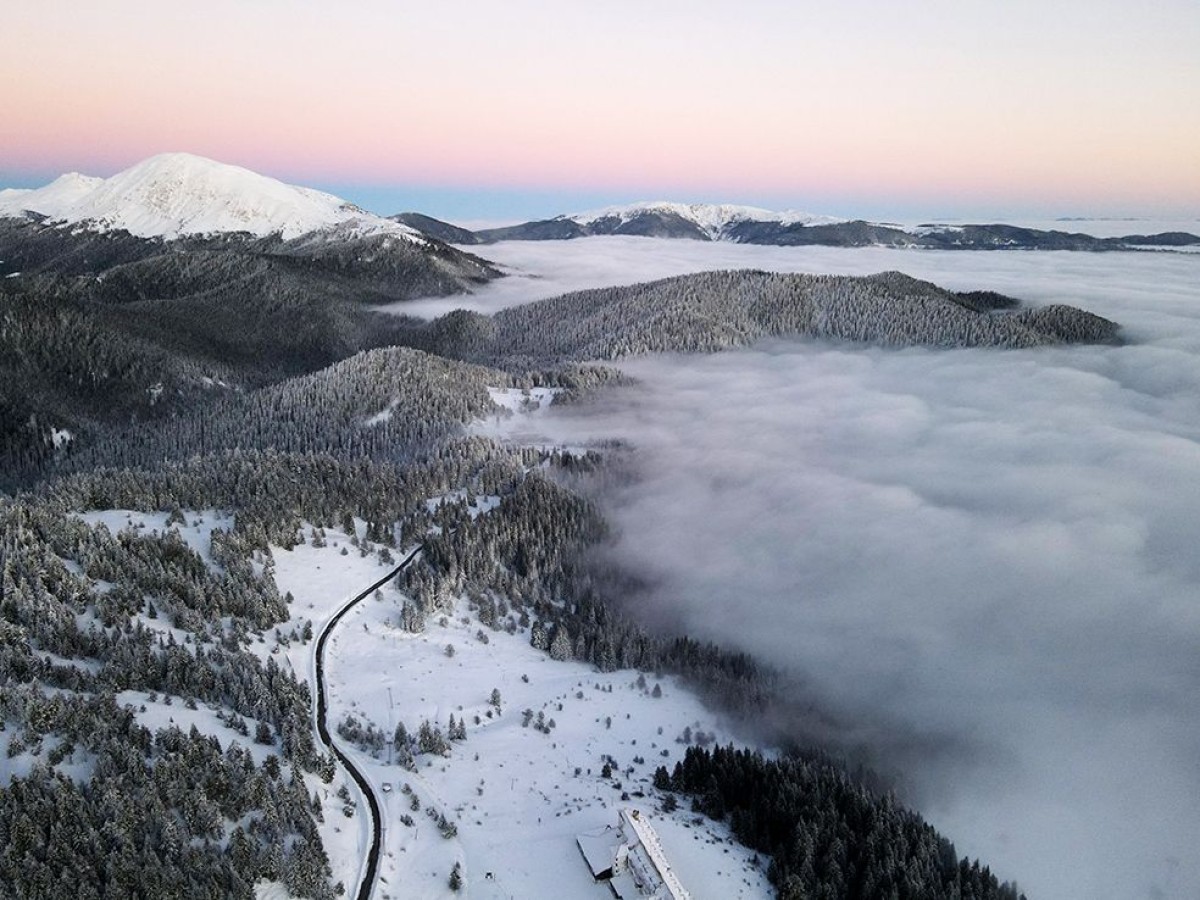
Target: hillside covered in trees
[713, 311]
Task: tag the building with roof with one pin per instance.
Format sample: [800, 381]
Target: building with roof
[631, 860]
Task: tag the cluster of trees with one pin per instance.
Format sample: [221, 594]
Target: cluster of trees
[827, 836]
[274, 492]
[103, 802]
[367, 737]
[379, 404]
[526, 565]
[155, 813]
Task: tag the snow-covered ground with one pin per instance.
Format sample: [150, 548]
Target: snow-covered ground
[518, 415]
[196, 530]
[517, 795]
[322, 580]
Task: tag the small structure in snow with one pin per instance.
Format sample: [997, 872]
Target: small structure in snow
[631, 860]
[599, 848]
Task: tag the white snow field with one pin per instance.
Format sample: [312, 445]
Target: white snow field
[176, 194]
[511, 790]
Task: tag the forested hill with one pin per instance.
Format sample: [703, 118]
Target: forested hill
[387, 403]
[103, 328]
[383, 266]
[712, 311]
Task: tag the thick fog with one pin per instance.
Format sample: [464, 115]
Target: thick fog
[539, 269]
[983, 562]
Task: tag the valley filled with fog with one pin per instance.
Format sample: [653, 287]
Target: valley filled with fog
[981, 562]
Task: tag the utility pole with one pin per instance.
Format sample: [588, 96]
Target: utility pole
[391, 724]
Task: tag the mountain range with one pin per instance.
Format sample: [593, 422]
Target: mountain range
[750, 225]
[175, 196]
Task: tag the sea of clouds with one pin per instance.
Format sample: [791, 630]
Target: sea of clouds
[983, 562]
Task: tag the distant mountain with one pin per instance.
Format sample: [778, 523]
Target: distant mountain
[177, 194]
[177, 202]
[695, 221]
[750, 225]
[436, 228]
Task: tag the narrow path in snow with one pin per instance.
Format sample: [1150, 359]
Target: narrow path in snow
[366, 885]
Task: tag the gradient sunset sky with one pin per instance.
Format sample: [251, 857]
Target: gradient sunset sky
[520, 108]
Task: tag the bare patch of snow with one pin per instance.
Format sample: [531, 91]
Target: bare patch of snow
[518, 412]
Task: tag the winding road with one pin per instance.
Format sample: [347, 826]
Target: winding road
[367, 884]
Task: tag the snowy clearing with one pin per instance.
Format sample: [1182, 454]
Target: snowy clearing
[509, 789]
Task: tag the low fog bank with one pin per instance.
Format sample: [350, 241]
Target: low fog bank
[990, 551]
[540, 269]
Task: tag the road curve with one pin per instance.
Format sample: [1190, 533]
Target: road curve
[367, 885]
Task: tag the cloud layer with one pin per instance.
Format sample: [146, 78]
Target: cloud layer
[986, 553]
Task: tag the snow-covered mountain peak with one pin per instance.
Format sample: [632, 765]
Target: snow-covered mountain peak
[176, 194]
[713, 218]
[60, 193]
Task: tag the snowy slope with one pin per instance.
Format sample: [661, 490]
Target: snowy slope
[62, 193]
[712, 218]
[517, 795]
[176, 194]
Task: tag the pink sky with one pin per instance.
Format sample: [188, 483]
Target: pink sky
[931, 104]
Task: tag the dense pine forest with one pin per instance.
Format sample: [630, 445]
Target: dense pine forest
[827, 836]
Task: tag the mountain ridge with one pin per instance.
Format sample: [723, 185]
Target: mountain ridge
[751, 225]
